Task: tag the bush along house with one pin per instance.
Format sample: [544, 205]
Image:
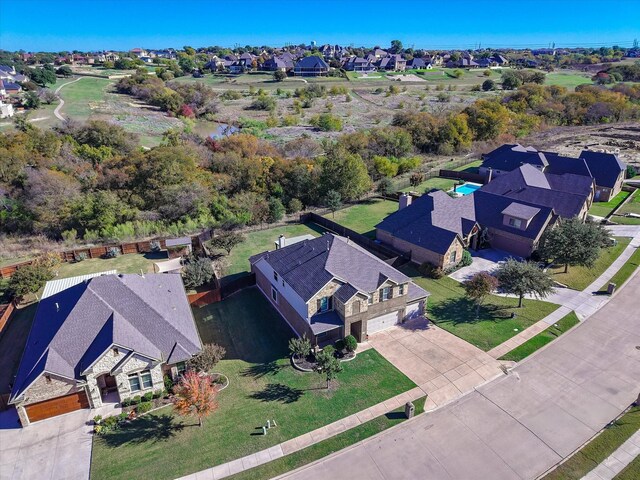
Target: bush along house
[329, 287]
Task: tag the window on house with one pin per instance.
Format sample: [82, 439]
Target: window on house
[385, 294]
[275, 276]
[370, 300]
[134, 382]
[324, 304]
[515, 222]
[147, 382]
[181, 367]
[274, 294]
[401, 289]
[453, 256]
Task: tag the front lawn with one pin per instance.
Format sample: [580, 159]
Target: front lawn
[598, 449]
[625, 271]
[540, 340]
[263, 385]
[580, 278]
[449, 308]
[602, 209]
[364, 216]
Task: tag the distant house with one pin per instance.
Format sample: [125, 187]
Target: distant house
[272, 64]
[393, 62]
[419, 64]
[311, 66]
[101, 339]
[359, 64]
[329, 287]
[11, 88]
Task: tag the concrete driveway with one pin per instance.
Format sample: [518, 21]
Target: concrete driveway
[441, 364]
[486, 260]
[520, 425]
[56, 448]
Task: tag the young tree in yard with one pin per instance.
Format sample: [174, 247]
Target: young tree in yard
[299, 347]
[488, 85]
[328, 365]
[279, 76]
[204, 361]
[522, 278]
[65, 71]
[276, 210]
[479, 287]
[385, 186]
[573, 243]
[29, 279]
[32, 100]
[197, 271]
[195, 396]
[227, 241]
[333, 201]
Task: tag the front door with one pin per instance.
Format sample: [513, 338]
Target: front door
[356, 330]
[110, 383]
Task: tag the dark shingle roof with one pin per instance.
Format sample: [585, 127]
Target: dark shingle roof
[312, 61]
[519, 210]
[511, 156]
[150, 315]
[605, 167]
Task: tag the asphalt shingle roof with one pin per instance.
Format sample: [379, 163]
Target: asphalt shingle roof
[605, 167]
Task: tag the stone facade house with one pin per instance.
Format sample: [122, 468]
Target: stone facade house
[329, 287]
[103, 338]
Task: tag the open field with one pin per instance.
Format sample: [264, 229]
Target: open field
[83, 97]
[450, 309]
[364, 216]
[569, 80]
[580, 278]
[263, 385]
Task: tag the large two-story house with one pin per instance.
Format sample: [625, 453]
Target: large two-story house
[100, 339]
[329, 287]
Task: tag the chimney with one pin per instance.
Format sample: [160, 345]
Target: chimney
[282, 241]
[404, 201]
[489, 174]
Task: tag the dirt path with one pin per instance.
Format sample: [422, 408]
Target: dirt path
[56, 112]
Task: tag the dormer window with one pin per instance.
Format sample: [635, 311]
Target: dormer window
[515, 222]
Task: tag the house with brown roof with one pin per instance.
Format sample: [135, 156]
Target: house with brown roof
[328, 287]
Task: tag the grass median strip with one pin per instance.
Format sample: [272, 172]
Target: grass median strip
[328, 446]
[598, 449]
[540, 340]
[625, 271]
[630, 472]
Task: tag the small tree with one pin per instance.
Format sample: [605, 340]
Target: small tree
[333, 201]
[197, 271]
[299, 347]
[276, 209]
[29, 279]
[195, 396]
[32, 100]
[480, 286]
[204, 361]
[350, 343]
[488, 85]
[522, 278]
[227, 241]
[385, 186]
[328, 365]
[279, 76]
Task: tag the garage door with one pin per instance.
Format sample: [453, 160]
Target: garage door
[57, 406]
[381, 323]
[413, 311]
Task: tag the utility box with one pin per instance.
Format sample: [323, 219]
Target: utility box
[611, 288]
[409, 410]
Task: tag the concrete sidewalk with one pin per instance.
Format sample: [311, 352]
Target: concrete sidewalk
[617, 461]
[584, 303]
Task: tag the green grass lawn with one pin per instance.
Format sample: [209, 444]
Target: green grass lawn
[631, 471]
[567, 80]
[131, 263]
[633, 205]
[594, 452]
[437, 182]
[12, 342]
[82, 97]
[263, 385]
[261, 241]
[327, 447]
[580, 278]
[602, 209]
[364, 216]
[540, 340]
[449, 308]
[625, 272]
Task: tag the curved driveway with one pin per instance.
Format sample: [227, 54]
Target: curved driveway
[520, 425]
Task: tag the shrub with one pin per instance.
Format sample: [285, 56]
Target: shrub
[294, 206]
[155, 246]
[488, 85]
[148, 396]
[263, 102]
[299, 347]
[329, 350]
[112, 252]
[467, 259]
[122, 416]
[231, 95]
[168, 383]
[125, 403]
[350, 343]
[80, 256]
[158, 393]
[431, 271]
[97, 419]
[290, 120]
[144, 407]
[135, 400]
[339, 345]
[29, 279]
[327, 122]
[204, 361]
[197, 272]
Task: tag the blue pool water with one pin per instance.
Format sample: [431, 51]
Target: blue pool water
[467, 188]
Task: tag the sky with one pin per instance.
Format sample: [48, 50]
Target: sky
[60, 25]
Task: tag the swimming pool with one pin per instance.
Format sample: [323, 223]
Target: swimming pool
[466, 188]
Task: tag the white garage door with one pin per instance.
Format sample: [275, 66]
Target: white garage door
[380, 323]
[413, 311]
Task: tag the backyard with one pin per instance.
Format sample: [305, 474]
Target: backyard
[602, 209]
[632, 206]
[263, 385]
[580, 278]
[450, 309]
[364, 216]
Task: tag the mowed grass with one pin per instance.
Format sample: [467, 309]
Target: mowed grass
[131, 263]
[540, 340]
[364, 216]
[632, 205]
[450, 309]
[580, 278]
[602, 209]
[625, 272]
[261, 241]
[82, 97]
[12, 342]
[568, 80]
[263, 385]
[327, 447]
[436, 182]
[594, 452]
[631, 471]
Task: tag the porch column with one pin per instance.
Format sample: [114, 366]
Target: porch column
[93, 392]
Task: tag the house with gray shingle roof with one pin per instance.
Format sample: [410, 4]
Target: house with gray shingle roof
[101, 339]
[329, 287]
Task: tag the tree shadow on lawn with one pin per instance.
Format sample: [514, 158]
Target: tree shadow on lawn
[277, 392]
[149, 428]
[260, 370]
[462, 310]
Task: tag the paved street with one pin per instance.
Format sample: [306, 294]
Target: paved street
[519, 425]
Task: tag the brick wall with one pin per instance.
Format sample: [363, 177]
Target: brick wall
[43, 389]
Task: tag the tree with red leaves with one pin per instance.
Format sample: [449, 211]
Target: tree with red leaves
[195, 396]
[480, 286]
[186, 111]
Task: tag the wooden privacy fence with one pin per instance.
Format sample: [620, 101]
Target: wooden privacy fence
[466, 176]
[200, 299]
[5, 313]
